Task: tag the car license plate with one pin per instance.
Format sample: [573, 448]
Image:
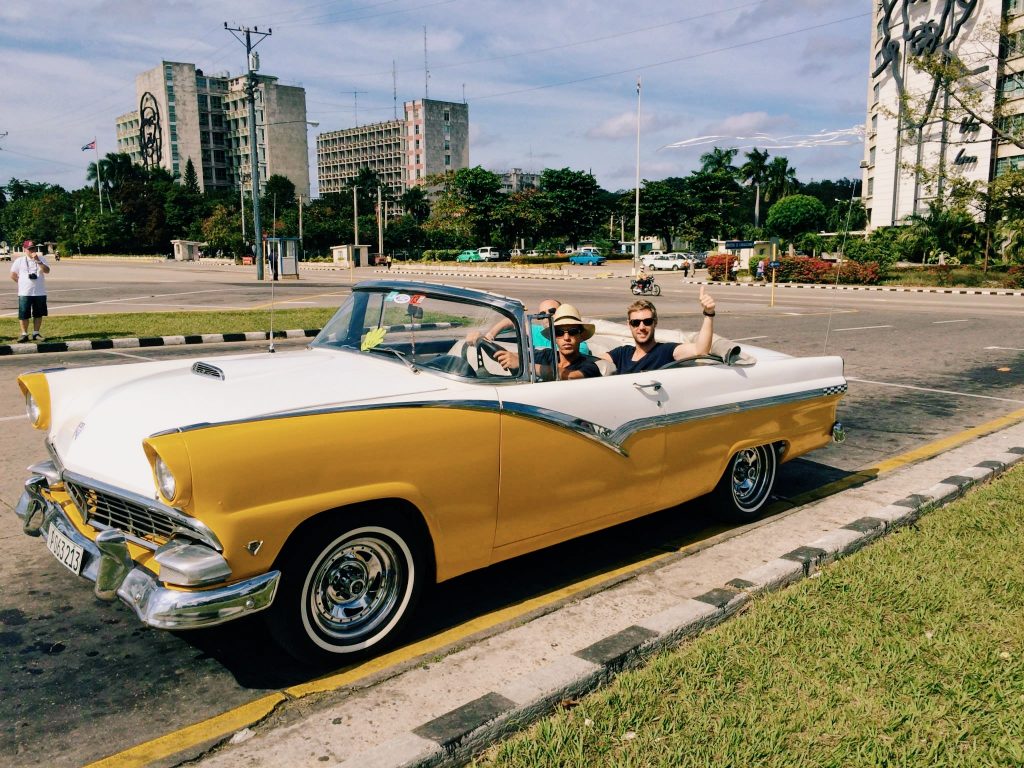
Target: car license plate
[65, 550]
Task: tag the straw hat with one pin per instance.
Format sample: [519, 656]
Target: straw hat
[567, 314]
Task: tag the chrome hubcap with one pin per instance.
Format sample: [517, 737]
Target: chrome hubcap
[355, 588]
[753, 471]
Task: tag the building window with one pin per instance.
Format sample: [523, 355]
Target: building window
[447, 145]
[871, 186]
[447, 159]
[170, 114]
[204, 101]
[874, 124]
[417, 160]
[1012, 84]
[1004, 164]
[871, 156]
[216, 102]
[447, 115]
[878, 92]
[416, 129]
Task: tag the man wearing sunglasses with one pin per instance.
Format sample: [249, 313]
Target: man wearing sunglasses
[537, 328]
[648, 354]
[569, 332]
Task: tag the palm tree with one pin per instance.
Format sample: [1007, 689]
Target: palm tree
[755, 173]
[115, 169]
[780, 180]
[414, 202]
[719, 160]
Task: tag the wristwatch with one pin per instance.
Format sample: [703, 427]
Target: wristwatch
[709, 314]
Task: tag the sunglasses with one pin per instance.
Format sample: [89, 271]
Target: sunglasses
[638, 321]
[569, 330]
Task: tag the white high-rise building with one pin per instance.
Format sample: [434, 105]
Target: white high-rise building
[184, 114]
[913, 151]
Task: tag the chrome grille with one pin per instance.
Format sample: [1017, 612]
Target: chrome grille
[103, 509]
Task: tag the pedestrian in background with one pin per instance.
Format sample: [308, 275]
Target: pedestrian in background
[29, 272]
[760, 270]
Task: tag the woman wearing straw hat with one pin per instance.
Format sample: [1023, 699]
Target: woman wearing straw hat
[569, 331]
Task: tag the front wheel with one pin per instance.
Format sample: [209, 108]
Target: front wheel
[656, 289]
[347, 586]
[747, 484]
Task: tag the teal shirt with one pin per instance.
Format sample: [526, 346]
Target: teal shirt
[540, 341]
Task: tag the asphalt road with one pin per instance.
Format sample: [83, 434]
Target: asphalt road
[80, 680]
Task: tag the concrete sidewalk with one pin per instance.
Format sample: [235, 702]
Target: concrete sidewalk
[442, 710]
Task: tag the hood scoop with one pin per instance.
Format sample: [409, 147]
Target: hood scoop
[207, 369]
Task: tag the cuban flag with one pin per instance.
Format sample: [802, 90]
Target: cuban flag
[90, 145]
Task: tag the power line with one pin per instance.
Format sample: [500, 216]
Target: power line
[675, 60]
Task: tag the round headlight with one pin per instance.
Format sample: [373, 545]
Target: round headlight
[32, 408]
[164, 479]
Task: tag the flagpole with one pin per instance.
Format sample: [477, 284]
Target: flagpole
[99, 176]
[636, 217]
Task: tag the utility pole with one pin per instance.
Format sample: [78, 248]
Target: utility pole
[380, 225]
[251, 86]
[355, 218]
[636, 218]
[426, 67]
[300, 222]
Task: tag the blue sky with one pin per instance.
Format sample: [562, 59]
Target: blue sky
[550, 83]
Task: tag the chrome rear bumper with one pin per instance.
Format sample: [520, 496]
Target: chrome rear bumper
[109, 566]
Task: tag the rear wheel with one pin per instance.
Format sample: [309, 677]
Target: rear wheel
[747, 484]
[347, 586]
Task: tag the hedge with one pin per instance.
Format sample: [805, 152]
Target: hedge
[803, 269]
[541, 258]
[441, 254]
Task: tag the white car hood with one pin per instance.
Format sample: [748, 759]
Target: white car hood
[101, 415]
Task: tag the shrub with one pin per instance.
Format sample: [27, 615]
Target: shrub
[440, 254]
[1014, 277]
[718, 266]
[541, 258]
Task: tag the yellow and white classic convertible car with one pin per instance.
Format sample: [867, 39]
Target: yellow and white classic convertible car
[326, 487]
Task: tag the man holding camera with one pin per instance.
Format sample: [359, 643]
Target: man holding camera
[29, 272]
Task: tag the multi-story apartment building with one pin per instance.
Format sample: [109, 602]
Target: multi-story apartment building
[517, 180]
[432, 137]
[919, 136]
[185, 114]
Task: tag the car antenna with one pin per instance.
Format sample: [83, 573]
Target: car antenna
[839, 266]
[273, 283]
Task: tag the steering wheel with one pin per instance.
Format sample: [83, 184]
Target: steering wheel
[688, 362]
[482, 345]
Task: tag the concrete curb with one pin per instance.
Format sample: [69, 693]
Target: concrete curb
[454, 737]
[552, 275]
[29, 348]
[888, 288]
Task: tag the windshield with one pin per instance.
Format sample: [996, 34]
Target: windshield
[423, 331]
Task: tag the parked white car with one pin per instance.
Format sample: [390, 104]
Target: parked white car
[660, 260]
[489, 254]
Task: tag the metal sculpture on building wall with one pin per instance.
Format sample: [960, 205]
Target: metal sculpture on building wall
[934, 35]
[150, 134]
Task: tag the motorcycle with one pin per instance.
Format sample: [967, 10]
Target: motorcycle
[644, 287]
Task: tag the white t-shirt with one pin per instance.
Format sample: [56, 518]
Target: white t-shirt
[23, 266]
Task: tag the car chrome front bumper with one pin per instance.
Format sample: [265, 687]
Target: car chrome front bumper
[108, 564]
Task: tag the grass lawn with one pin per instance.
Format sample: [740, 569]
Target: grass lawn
[74, 327]
[907, 653]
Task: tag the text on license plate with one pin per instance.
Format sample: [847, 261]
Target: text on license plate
[65, 550]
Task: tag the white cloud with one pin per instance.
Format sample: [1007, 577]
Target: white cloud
[549, 82]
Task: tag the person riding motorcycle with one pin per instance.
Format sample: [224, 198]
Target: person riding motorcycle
[644, 281]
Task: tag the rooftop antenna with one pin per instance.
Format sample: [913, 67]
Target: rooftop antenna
[463, 93]
[426, 67]
[394, 87]
[355, 105]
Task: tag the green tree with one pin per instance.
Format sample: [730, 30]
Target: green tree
[780, 180]
[719, 160]
[795, 215]
[661, 209]
[191, 180]
[222, 231]
[279, 192]
[465, 208]
[711, 207]
[755, 172]
[414, 202]
[519, 216]
[941, 230]
[572, 204]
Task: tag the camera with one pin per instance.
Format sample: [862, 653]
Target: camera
[33, 276]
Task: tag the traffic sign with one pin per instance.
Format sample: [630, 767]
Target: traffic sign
[774, 264]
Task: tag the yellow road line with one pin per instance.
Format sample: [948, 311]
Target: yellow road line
[214, 728]
[248, 714]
